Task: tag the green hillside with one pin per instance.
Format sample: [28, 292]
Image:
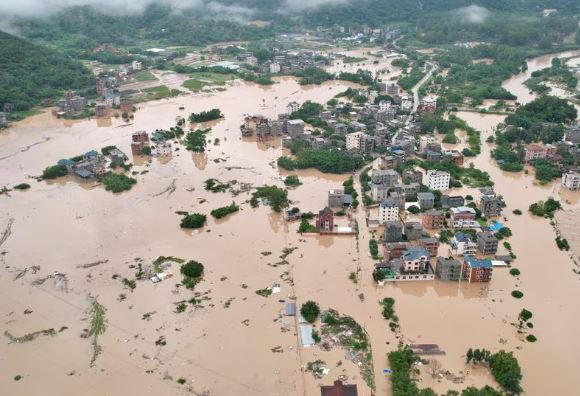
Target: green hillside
[30, 73]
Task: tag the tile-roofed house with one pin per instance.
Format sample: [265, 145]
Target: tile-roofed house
[338, 389]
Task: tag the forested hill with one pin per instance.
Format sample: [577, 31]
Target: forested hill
[31, 73]
[83, 27]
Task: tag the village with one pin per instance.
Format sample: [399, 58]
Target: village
[376, 207]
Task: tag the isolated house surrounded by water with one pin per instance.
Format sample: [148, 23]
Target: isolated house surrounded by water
[325, 220]
[338, 389]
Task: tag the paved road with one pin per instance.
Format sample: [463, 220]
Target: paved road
[417, 87]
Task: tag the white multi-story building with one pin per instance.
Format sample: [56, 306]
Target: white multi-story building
[388, 211]
[462, 245]
[438, 180]
[571, 180]
[292, 107]
[136, 65]
[463, 217]
[274, 68]
[355, 141]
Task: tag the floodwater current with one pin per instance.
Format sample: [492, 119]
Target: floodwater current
[224, 345]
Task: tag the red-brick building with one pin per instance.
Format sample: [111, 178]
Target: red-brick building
[430, 244]
[338, 389]
[476, 270]
[433, 219]
[140, 141]
[325, 220]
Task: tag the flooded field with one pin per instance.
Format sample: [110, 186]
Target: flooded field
[234, 341]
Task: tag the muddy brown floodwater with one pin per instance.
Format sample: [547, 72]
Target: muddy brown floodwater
[224, 345]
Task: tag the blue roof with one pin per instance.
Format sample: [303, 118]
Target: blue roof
[477, 263]
[415, 253]
[66, 162]
[389, 203]
[462, 237]
[91, 153]
[84, 173]
[496, 226]
[291, 309]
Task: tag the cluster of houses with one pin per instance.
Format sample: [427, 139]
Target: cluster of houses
[140, 144]
[71, 104]
[434, 152]
[553, 153]
[357, 34]
[92, 164]
[285, 61]
[364, 129]
[411, 253]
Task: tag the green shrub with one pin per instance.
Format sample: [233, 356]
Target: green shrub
[517, 294]
[22, 186]
[531, 338]
[514, 272]
[292, 181]
[193, 220]
[118, 182]
[224, 211]
[52, 172]
[192, 269]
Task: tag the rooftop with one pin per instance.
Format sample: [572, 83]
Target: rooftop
[462, 237]
[389, 203]
[477, 263]
[338, 389]
[415, 253]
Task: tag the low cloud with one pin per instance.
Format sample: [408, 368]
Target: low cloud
[473, 14]
[301, 5]
[42, 8]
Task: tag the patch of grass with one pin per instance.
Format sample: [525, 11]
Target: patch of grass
[144, 75]
[160, 92]
[353, 277]
[266, 292]
[29, 336]
[97, 315]
[161, 259]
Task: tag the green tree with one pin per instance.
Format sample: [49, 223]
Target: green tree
[310, 311]
[192, 269]
[506, 370]
[193, 220]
